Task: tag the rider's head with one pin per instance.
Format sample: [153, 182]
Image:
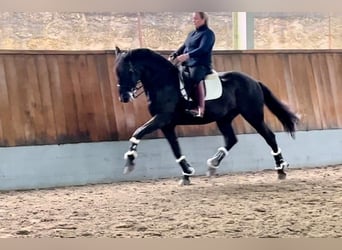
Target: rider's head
[199, 19]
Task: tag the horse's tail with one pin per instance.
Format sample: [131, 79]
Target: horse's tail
[280, 110]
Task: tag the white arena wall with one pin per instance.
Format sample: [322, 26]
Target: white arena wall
[35, 167]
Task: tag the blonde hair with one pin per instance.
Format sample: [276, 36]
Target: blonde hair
[204, 16]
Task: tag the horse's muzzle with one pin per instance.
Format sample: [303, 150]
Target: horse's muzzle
[126, 97]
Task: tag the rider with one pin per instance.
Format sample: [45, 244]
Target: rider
[195, 54]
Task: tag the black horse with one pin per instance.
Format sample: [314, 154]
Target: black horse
[240, 95]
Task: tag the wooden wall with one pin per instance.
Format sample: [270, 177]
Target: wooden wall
[51, 97]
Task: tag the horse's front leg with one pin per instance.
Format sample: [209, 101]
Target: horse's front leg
[156, 122]
[130, 155]
[187, 170]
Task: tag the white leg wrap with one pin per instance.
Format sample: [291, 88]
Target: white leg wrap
[223, 149]
[131, 152]
[180, 159]
[277, 153]
[281, 166]
[192, 172]
[134, 140]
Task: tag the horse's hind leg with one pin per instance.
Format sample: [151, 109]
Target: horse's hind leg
[187, 170]
[270, 138]
[229, 139]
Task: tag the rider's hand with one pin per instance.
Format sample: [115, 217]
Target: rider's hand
[183, 57]
[172, 56]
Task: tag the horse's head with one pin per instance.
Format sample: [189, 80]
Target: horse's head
[127, 75]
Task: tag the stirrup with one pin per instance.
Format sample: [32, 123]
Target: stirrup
[196, 112]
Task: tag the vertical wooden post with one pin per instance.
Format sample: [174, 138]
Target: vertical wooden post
[239, 30]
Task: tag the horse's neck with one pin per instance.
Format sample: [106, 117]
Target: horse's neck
[158, 76]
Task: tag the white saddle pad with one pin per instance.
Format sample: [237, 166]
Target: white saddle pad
[213, 86]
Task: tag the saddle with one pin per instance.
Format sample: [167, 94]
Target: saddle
[212, 86]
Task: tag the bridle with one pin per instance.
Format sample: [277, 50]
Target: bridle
[138, 84]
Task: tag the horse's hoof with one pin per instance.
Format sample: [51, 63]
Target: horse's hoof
[212, 163]
[184, 182]
[281, 175]
[211, 172]
[280, 170]
[128, 169]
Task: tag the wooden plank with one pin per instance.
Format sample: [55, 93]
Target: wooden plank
[107, 95]
[80, 101]
[87, 94]
[319, 102]
[34, 104]
[249, 65]
[25, 98]
[66, 64]
[218, 63]
[50, 133]
[306, 105]
[57, 98]
[3, 102]
[313, 92]
[334, 62]
[103, 94]
[328, 110]
[97, 102]
[7, 133]
[235, 62]
[317, 84]
[227, 63]
[15, 100]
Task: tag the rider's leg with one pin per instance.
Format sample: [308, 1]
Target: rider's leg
[197, 74]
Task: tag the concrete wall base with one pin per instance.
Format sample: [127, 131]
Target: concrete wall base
[34, 167]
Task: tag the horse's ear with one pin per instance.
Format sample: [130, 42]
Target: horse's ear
[117, 50]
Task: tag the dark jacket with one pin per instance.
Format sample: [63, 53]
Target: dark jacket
[199, 44]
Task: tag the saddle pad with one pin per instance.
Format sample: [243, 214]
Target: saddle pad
[213, 86]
